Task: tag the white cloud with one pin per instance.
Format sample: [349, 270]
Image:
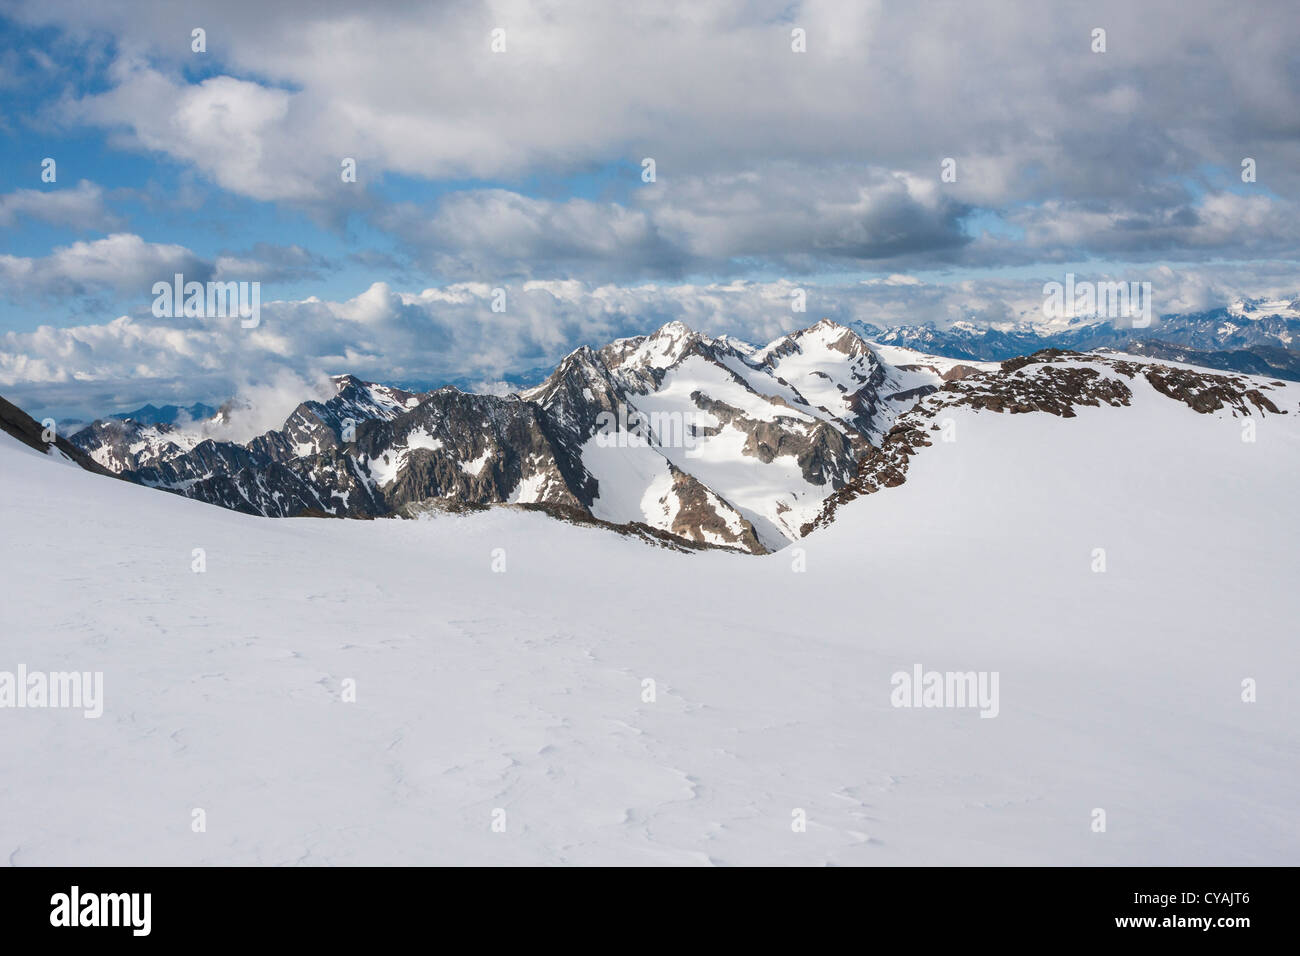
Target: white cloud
[767, 160]
[126, 265]
[122, 261]
[238, 132]
[1012, 90]
[260, 406]
[782, 216]
[81, 207]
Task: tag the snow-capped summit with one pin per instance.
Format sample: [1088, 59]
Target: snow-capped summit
[1256, 309]
[657, 351]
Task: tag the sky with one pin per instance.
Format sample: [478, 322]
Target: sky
[504, 146]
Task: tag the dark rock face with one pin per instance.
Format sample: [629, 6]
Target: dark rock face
[1053, 390]
[824, 454]
[571, 402]
[317, 484]
[958, 372]
[474, 448]
[1207, 393]
[700, 519]
[122, 445]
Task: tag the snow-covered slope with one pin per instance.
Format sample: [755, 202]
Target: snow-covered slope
[500, 661]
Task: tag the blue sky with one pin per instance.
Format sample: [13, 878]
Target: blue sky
[521, 169]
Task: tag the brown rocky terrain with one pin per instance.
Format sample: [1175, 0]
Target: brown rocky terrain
[1051, 381]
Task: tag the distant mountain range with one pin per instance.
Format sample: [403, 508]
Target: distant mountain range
[697, 441]
[167, 414]
[1260, 336]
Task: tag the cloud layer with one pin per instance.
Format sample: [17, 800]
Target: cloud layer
[765, 158]
[452, 334]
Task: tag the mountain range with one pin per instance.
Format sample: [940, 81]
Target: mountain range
[713, 441]
[696, 441]
[1258, 336]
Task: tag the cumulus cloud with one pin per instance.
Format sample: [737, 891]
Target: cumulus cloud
[766, 159]
[125, 266]
[797, 221]
[80, 207]
[1011, 89]
[258, 406]
[782, 217]
[1215, 224]
[235, 131]
[122, 262]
